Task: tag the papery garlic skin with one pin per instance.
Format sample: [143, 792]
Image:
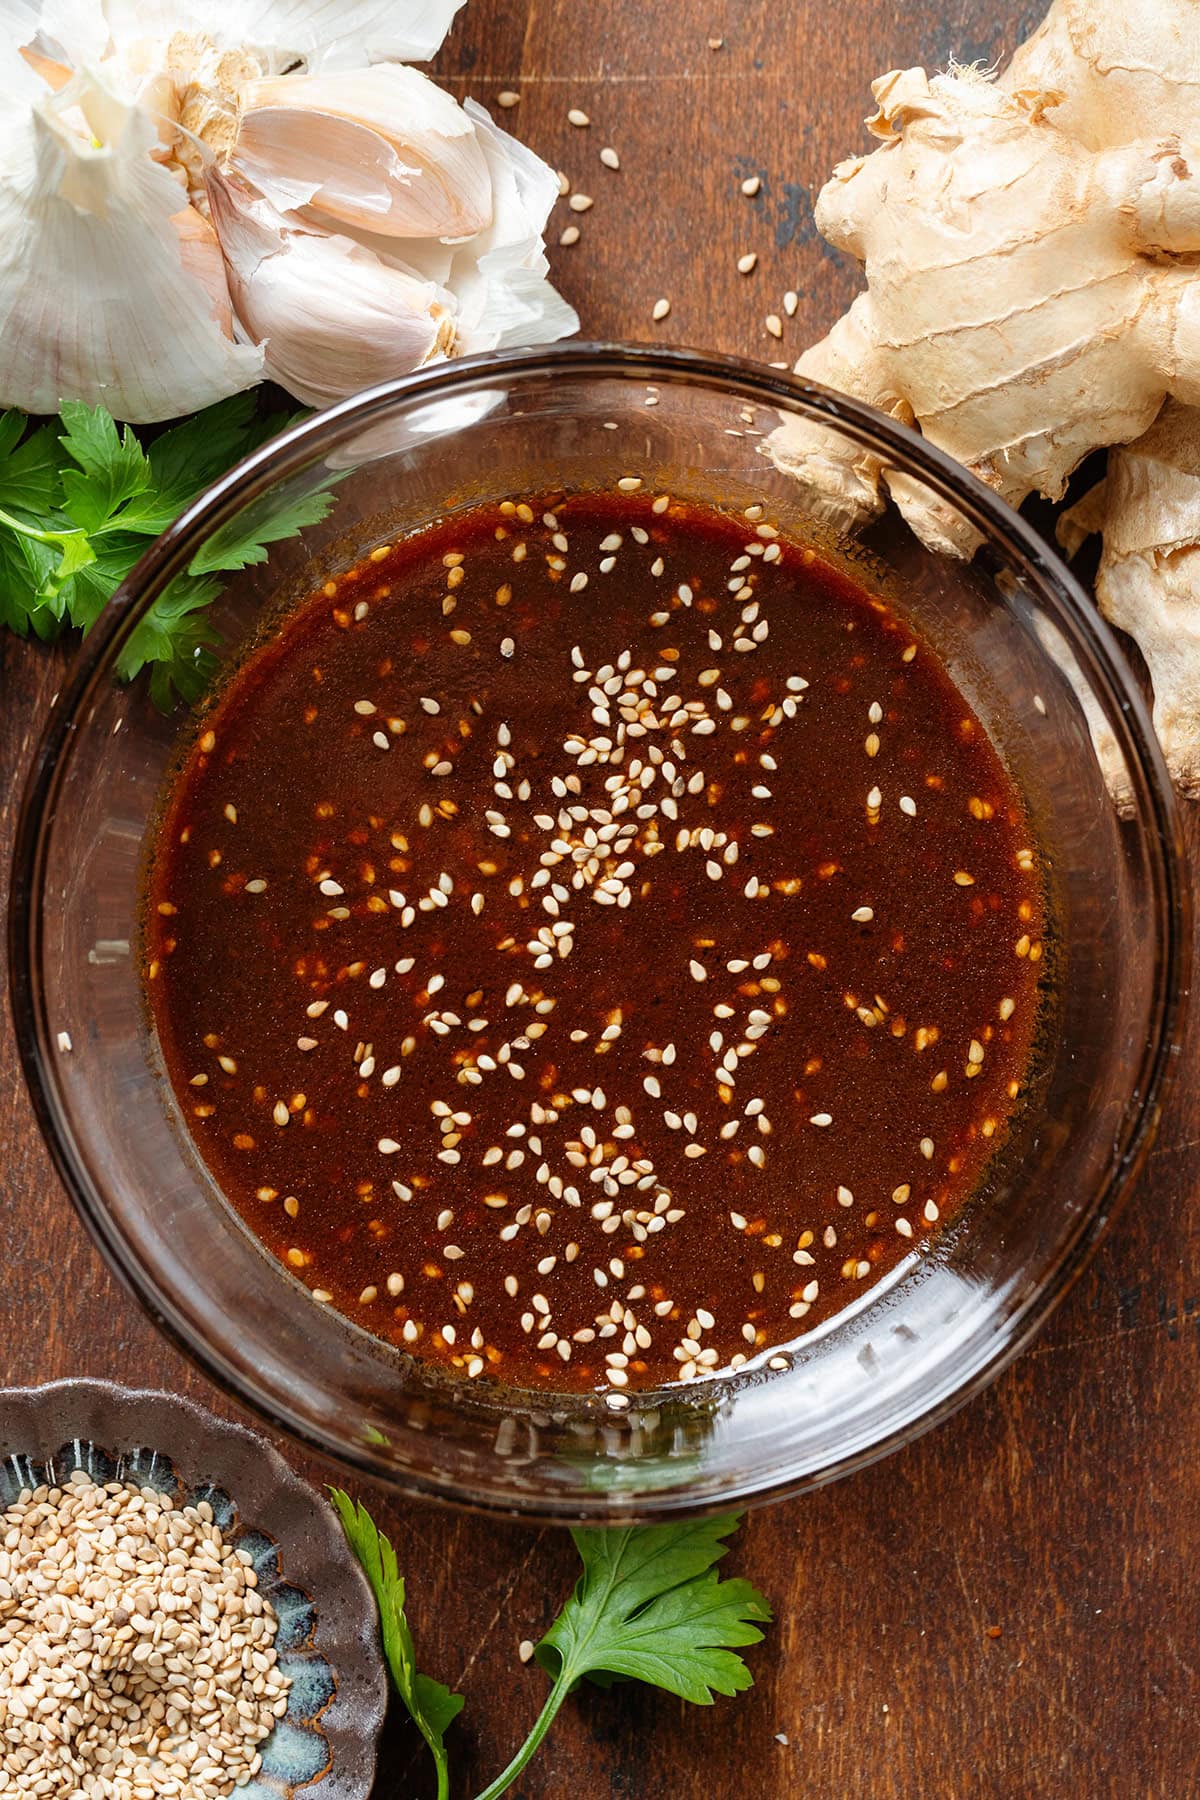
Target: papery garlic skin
[499, 277]
[330, 316]
[323, 34]
[417, 222]
[95, 303]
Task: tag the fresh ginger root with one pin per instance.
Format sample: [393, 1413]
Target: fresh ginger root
[1031, 247]
[1148, 584]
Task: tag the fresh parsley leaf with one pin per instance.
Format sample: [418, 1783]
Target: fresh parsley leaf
[110, 470]
[79, 502]
[243, 539]
[18, 592]
[648, 1607]
[431, 1706]
[63, 552]
[175, 639]
[29, 471]
[12, 429]
[184, 460]
[91, 589]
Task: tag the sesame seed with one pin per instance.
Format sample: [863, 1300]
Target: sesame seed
[747, 262]
[609, 158]
[507, 97]
[577, 116]
[174, 1602]
[750, 186]
[659, 311]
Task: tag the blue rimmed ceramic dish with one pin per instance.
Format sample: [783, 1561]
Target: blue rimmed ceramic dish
[324, 1746]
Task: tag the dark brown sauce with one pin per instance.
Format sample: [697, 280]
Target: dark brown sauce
[593, 942]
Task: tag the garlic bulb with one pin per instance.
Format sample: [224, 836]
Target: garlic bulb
[189, 204]
[111, 289]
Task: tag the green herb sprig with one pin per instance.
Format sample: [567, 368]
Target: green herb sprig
[79, 503]
[431, 1707]
[647, 1607]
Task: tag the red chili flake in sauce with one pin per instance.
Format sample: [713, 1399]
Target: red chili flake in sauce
[593, 942]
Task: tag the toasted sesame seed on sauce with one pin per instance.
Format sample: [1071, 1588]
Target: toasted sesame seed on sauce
[544, 974]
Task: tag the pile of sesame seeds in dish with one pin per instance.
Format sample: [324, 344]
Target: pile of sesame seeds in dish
[594, 941]
[137, 1660]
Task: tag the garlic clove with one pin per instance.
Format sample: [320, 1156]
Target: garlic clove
[200, 256]
[382, 149]
[330, 315]
[499, 278]
[79, 211]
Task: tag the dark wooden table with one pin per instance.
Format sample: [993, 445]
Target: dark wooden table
[1008, 1609]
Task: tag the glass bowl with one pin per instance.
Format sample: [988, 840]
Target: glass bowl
[1040, 668]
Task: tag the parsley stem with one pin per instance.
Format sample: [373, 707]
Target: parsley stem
[442, 1765]
[529, 1748]
[62, 539]
[31, 531]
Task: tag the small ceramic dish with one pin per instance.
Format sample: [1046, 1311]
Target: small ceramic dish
[324, 1746]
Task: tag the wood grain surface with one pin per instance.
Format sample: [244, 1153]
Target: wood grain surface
[1061, 1511]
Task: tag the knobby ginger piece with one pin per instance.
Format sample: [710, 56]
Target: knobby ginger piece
[1022, 303]
[1030, 254]
[1122, 66]
[1148, 509]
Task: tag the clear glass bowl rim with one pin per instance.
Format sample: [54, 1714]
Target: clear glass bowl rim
[1157, 816]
